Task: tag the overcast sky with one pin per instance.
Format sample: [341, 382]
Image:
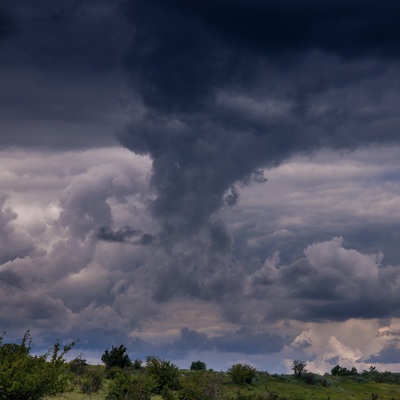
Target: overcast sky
[212, 179]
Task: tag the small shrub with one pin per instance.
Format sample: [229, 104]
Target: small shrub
[92, 381]
[242, 373]
[200, 387]
[167, 394]
[77, 366]
[325, 382]
[343, 371]
[137, 363]
[165, 373]
[131, 386]
[198, 366]
[309, 378]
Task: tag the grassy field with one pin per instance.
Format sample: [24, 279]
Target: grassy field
[333, 389]
[265, 387]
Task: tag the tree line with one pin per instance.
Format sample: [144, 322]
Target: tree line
[24, 376]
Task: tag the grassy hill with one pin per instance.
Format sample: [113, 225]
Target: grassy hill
[267, 387]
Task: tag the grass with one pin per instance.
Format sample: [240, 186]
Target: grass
[286, 387]
[334, 388]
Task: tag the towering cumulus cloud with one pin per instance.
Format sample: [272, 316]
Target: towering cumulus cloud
[229, 87]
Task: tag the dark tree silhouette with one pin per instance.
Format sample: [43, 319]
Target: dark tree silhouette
[116, 357]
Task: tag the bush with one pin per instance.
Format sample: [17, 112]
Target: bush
[167, 394]
[342, 371]
[198, 366]
[91, 381]
[242, 373]
[137, 363]
[23, 376]
[310, 378]
[164, 372]
[200, 387]
[116, 357]
[131, 386]
[77, 366]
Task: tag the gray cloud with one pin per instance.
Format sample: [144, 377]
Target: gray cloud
[217, 92]
[388, 355]
[329, 283]
[7, 23]
[13, 242]
[62, 86]
[226, 96]
[83, 37]
[10, 278]
[125, 235]
[244, 340]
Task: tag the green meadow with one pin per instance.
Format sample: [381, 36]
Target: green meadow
[266, 387]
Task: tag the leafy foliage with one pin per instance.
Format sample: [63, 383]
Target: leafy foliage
[91, 381]
[138, 386]
[167, 394]
[343, 371]
[198, 366]
[23, 376]
[242, 373]
[164, 372]
[116, 357]
[201, 387]
[299, 368]
[137, 363]
[77, 366]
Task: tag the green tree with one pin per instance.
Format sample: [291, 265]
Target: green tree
[343, 371]
[242, 373]
[164, 372]
[137, 363]
[198, 366]
[116, 357]
[23, 376]
[299, 368]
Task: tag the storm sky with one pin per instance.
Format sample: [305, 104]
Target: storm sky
[214, 180]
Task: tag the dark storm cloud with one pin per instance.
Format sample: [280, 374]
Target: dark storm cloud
[60, 73]
[244, 340]
[7, 23]
[231, 87]
[190, 339]
[189, 49]
[75, 38]
[10, 278]
[221, 242]
[124, 235]
[13, 242]
[390, 354]
[201, 271]
[219, 90]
